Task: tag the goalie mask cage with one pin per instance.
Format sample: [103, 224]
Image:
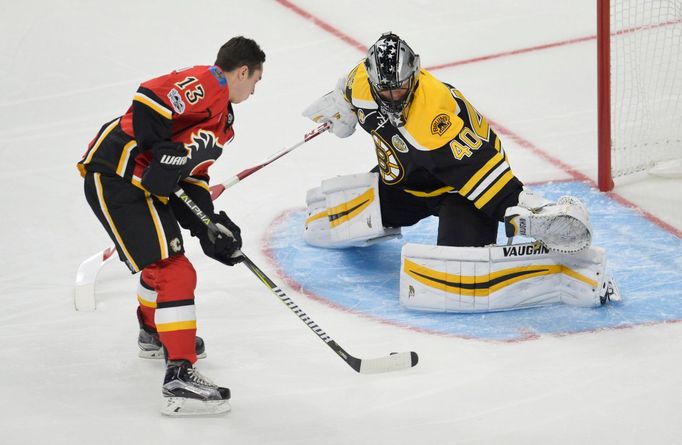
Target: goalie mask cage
[639, 51]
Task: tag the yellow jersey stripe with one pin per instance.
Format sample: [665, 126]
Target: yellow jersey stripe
[159, 108]
[125, 156]
[492, 191]
[197, 182]
[488, 181]
[476, 178]
[101, 137]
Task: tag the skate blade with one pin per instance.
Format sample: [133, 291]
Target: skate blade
[150, 354]
[158, 354]
[181, 407]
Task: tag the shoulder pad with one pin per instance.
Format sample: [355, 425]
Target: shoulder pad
[358, 85]
[432, 120]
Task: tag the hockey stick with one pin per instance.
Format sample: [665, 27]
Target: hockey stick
[218, 189]
[84, 292]
[394, 362]
[86, 276]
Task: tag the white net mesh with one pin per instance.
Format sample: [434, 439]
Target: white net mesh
[646, 83]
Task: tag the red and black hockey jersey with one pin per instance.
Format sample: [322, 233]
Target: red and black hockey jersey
[189, 106]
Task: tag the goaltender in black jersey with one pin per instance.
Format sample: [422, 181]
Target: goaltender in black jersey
[436, 154]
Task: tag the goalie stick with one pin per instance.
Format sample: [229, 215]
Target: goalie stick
[88, 270]
[394, 362]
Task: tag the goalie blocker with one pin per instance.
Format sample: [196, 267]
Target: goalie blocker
[345, 212]
[501, 278]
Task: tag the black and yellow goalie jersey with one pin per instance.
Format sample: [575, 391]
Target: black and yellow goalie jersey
[445, 146]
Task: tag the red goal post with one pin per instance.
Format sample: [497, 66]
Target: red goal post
[639, 52]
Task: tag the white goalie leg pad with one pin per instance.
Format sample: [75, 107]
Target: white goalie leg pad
[317, 229]
[500, 278]
[345, 211]
[563, 227]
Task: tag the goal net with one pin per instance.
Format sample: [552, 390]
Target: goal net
[640, 88]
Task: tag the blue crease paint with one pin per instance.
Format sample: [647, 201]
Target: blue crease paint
[645, 260]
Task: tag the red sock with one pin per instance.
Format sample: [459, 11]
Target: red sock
[174, 280]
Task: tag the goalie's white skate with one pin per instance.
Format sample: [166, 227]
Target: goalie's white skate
[187, 393]
[609, 291]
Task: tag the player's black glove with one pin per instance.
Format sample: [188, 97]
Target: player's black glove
[162, 175]
[225, 246]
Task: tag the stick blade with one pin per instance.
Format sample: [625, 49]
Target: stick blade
[216, 190]
[84, 297]
[86, 276]
[393, 362]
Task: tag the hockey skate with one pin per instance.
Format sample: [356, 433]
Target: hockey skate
[151, 347]
[150, 344]
[187, 393]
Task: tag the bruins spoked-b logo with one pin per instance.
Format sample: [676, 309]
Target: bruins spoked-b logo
[440, 124]
[390, 168]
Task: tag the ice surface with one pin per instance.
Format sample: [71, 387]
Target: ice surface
[68, 66]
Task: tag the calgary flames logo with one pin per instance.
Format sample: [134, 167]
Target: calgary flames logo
[202, 151]
[203, 140]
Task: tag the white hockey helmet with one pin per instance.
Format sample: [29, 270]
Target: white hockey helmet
[391, 64]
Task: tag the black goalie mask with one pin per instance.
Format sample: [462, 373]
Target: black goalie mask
[392, 68]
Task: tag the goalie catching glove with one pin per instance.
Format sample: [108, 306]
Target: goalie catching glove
[224, 246]
[563, 226]
[333, 108]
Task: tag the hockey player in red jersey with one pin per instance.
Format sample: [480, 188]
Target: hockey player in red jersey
[172, 133]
